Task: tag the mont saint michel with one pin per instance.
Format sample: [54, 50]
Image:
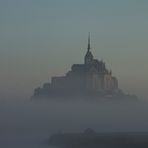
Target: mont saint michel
[90, 80]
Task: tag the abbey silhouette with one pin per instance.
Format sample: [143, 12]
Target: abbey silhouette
[91, 79]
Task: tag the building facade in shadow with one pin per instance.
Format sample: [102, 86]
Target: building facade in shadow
[91, 78]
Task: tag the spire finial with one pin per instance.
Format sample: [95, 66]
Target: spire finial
[88, 42]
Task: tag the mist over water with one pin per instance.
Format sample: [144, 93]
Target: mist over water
[28, 124]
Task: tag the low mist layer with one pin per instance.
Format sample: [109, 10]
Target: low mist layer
[34, 121]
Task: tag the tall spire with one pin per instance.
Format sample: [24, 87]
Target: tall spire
[88, 42]
[88, 57]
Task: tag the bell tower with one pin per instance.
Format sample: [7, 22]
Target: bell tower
[88, 57]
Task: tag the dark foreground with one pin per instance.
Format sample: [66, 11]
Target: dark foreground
[90, 139]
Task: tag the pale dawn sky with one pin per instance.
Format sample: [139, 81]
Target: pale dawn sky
[43, 38]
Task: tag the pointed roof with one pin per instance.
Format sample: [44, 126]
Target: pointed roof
[89, 54]
[88, 42]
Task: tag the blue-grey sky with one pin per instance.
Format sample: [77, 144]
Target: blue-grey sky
[42, 38]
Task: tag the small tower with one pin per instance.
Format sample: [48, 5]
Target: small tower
[88, 57]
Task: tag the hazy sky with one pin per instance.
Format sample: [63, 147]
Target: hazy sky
[42, 38]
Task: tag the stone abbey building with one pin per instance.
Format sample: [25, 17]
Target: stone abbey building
[90, 78]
